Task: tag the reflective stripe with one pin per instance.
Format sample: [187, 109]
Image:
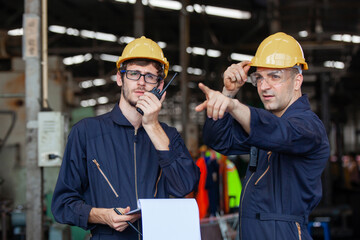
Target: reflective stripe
[299, 229]
[267, 169]
[107, 180]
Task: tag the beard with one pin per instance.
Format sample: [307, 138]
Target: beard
[127, 93]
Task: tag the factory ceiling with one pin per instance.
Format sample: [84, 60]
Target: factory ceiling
[328, 30]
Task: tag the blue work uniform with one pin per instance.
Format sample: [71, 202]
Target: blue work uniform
[293, 150]
[107, 164]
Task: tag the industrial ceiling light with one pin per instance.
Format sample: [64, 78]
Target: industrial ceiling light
[103, 100]
[194, 71]
[105, 37]
[355, 39]
[72, 31]
[125, 39]
[241, 57]
[113, 78]
[162, 44]
[77, 59]
[86, 84]
[108, 57]
[57, 29]
[303, 33]
[345, 38]
[227, 12]
[126, 1]
[99, 82]
[87, 34]
[213, 53]
[88, 102]
[98, 35]
[334, 64]
[202, 51]
[198, 51]
[16, 32]
[167, 4]
[176, 68]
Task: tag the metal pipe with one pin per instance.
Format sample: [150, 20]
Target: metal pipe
[12, 95]
[44, 50]
[34, 175]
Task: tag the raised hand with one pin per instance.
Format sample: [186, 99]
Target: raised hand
[216, 103]
[235, 77]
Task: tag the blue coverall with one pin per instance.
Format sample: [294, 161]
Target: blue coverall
[278, 197]
[108, 164]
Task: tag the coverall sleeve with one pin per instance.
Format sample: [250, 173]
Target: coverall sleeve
[68, 205]
[225, 136]
[267, 131]
[303, 130]
[181, 173]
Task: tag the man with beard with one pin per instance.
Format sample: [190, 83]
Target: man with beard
[115, 159]
[287, 142]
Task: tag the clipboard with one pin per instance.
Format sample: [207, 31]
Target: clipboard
[135, 211]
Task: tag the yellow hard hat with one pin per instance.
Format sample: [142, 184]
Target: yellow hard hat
[279, 51]
[144, 48]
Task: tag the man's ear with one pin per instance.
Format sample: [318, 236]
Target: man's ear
[118, 78]
[298, 81]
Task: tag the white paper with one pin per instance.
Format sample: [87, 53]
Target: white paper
[164, 219]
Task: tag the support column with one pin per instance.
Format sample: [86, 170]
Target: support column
[138, 19]
[274, 15]
[34, 177]
[184, 62]
[325, 117]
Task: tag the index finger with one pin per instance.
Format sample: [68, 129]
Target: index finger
[242, 70]
[204, 88]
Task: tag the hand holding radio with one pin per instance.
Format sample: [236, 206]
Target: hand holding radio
[157, 93]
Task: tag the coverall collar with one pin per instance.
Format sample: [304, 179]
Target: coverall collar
[118, 117]
[301, 104]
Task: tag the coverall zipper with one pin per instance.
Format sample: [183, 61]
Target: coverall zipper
[135, 171]
[157, 183]
[242, 203]
[267, 169]
[299, 229]
[107, 180]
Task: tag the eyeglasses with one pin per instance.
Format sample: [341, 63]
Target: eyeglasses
[271, 77]
[136, 75]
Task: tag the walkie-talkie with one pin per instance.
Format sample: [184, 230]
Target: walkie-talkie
[157, 92]
[254, 156]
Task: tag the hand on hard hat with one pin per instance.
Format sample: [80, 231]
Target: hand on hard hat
[235, 77]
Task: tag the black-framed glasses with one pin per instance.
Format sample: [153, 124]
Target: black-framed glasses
[136, 75]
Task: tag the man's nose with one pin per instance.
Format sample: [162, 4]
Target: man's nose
[265, 84]
[141, 81]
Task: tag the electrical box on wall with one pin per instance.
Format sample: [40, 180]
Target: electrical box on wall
[50, 138]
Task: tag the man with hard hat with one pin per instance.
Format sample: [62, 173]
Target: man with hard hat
[287, 142]
[115, 159]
